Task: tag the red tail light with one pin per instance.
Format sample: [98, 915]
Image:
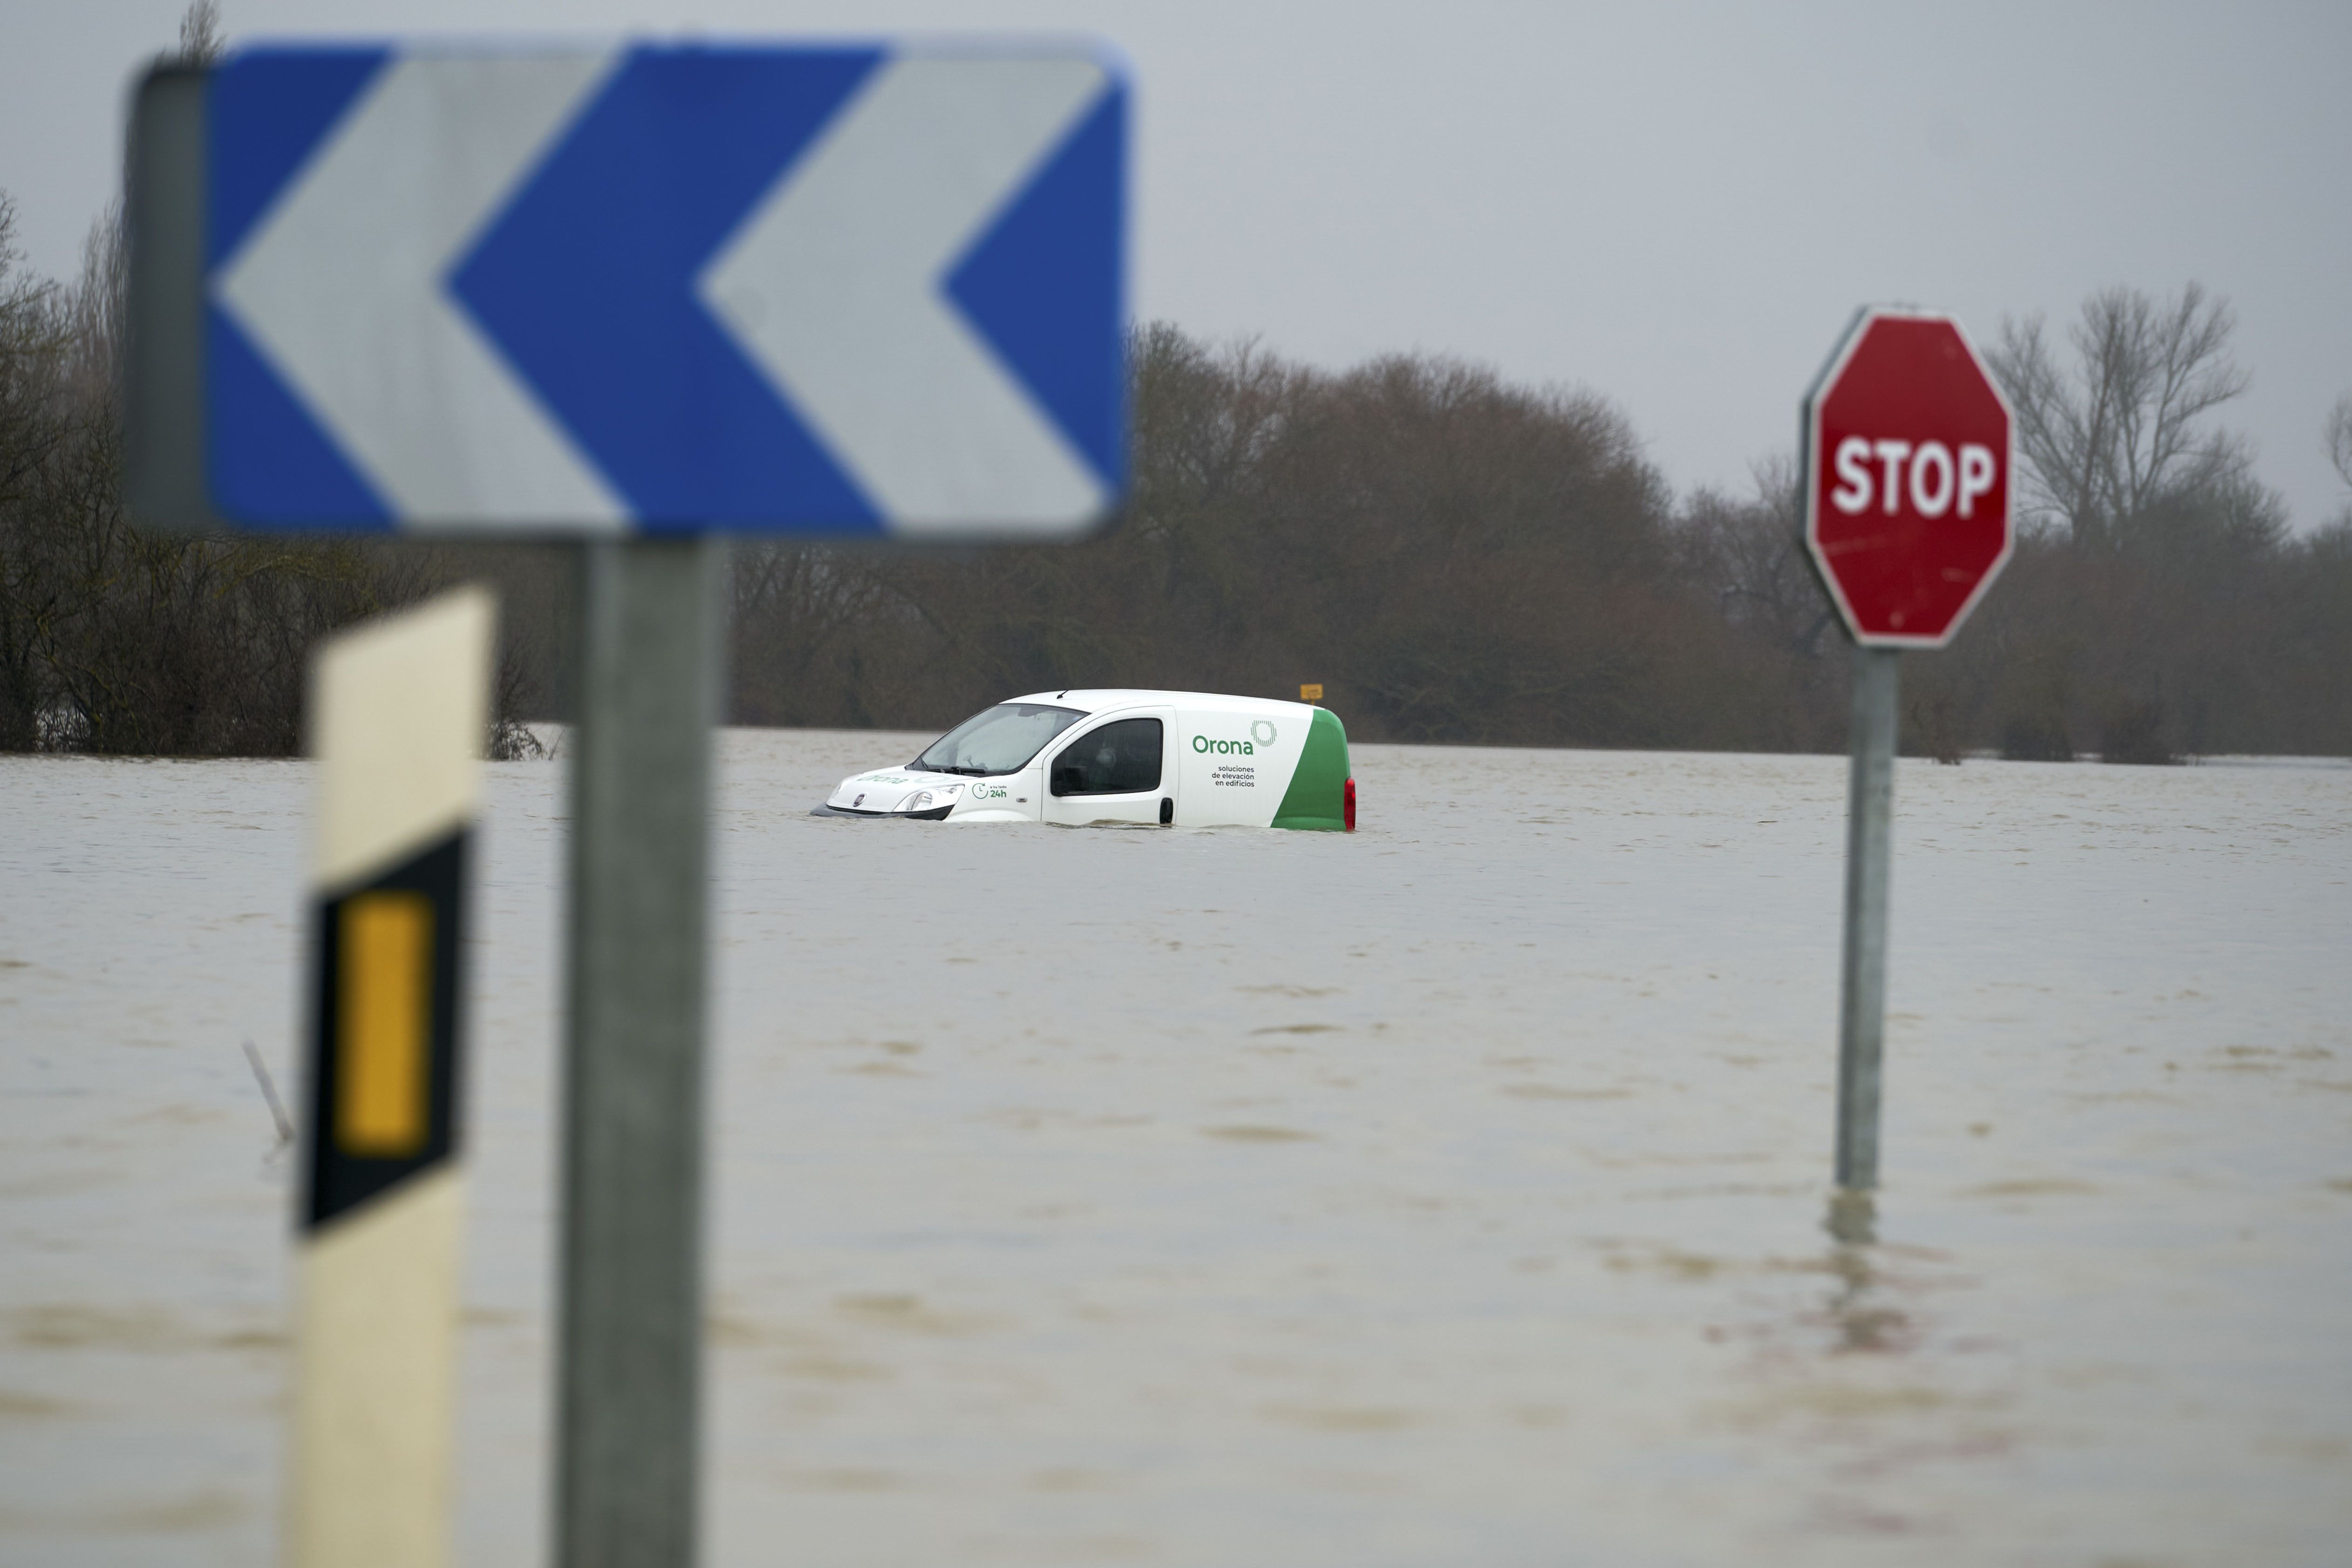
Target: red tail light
[1348, 805]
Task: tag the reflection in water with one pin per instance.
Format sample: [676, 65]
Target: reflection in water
[1862, 1322]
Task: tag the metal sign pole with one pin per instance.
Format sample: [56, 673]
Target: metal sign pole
[1869, 851]
[630, 1373]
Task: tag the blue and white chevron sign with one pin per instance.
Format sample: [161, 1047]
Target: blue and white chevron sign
[667, 289]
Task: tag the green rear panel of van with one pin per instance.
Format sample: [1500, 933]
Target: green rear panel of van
[1318, 790]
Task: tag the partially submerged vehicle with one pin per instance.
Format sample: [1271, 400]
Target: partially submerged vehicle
[1183, 758]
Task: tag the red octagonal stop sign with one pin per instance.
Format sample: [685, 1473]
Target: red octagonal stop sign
[1906, 478]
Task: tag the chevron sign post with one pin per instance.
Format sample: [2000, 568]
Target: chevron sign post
[663, 290]
[640, 298]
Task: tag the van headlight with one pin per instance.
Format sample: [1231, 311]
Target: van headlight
[932, 799]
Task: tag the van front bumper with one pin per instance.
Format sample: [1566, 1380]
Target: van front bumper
[936, 814]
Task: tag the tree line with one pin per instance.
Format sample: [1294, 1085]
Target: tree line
[120, 640]
[1455, 558]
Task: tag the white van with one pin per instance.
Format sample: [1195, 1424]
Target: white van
[1181, 758]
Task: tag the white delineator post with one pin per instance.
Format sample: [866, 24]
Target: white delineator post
[398, 717]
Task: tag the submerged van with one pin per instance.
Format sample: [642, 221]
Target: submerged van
[1181, 758]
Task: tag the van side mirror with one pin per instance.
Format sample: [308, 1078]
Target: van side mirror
[1069, 779]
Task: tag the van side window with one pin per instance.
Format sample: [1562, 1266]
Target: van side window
[1117, 759]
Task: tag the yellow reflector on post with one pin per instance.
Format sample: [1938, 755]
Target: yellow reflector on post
[1311, 692]
[384, 1025]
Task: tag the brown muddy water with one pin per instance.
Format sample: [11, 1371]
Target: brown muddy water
[1451, 1193]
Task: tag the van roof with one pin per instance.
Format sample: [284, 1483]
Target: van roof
[1101, 699]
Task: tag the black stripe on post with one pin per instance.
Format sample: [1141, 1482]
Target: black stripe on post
[382, 1093]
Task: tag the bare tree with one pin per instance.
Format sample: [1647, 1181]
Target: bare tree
[2339, 438]
[200, 33]
[33, 343]
[32, 339]
[2123, 430]
[100, 305]
[1748, 556]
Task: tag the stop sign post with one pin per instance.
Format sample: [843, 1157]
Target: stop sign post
[1906, 468]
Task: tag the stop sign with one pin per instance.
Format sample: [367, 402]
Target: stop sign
[1906, 478]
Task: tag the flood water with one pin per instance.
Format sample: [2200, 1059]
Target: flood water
[1454, 1192]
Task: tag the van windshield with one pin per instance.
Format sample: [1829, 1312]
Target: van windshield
[999, 739]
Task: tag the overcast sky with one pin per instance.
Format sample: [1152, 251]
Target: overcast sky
[1677, 205]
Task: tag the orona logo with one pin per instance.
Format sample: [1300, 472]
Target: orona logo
[1262, 732]
[1223, 748]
